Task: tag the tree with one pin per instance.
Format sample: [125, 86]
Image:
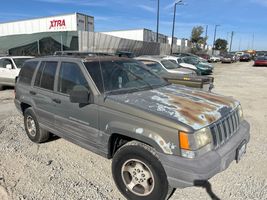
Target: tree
[196, 37]
[221, 44]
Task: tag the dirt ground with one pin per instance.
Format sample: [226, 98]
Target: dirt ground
[61, 170]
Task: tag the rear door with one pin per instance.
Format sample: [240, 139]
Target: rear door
[76, 122]
[43, 93]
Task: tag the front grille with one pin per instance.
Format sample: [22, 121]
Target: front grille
[225, 128]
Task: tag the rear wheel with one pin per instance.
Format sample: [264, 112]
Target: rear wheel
[139, 174]
[33, 130]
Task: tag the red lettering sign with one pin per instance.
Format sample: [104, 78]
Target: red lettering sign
[57, 23]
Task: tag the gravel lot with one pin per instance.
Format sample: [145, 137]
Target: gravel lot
[61, 170]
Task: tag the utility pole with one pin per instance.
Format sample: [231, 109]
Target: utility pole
[240, 40]
[215, 31]
[158, 23]
[252, 41]
[232, 35]
[173, 22]
[206, 36]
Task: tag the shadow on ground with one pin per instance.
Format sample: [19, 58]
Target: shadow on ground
[206, 185]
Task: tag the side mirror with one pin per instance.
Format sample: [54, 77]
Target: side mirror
[9, 66]
[79, 94]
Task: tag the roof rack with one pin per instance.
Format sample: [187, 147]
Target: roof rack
[81, 53]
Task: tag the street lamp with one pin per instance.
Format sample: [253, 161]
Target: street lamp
[215, 31]
[177, 2]
[158, 23]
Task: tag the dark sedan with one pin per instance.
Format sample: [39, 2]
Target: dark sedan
[245, 58]
[261, 61]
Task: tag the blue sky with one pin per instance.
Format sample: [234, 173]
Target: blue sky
[244, 17]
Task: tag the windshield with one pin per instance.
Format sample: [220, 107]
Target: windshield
[153, 66]
[123, 76]
[169, 65]
[19, 61]
[261, 58]
[191, 60]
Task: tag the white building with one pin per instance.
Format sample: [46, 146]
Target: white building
[68, 22]
[143, 34]
[42, 36]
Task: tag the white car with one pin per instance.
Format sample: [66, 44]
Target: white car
[214, 59]
[157, 63]
[10, 68]
[180, 62]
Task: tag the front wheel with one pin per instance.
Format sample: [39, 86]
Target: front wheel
[139, 174]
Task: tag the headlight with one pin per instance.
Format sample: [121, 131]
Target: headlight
[202, 138]
[240, 112]
[191, 143]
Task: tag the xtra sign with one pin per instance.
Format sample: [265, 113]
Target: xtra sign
[57, 23]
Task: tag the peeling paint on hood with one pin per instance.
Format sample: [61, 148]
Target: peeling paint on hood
[192, 107]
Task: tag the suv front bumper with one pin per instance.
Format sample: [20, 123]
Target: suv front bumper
[182, 172]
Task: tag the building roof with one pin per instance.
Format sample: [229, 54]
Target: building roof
[43, 17]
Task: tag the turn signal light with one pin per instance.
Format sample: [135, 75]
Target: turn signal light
[184, 141]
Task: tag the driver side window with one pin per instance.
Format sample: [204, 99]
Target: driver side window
[70, 75]
[5, 62]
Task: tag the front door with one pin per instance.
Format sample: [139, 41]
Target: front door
[76, 122]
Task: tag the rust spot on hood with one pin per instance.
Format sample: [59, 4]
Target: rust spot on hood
[227, 101]
[197, 112]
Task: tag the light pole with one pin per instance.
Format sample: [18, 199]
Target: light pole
[206, 37]
[215, 31]
[157, 39]
[178, 2]
[232, 35]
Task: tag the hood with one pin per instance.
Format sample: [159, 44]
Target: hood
[204, 65]
[181, 71]
[186, 65]
[192, 107]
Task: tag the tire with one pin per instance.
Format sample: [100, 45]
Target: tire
[32, 127]
[136, 164]
[1, 87]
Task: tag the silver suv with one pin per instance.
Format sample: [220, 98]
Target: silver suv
[160, 136]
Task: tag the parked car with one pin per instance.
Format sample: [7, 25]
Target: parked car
[166, 65]
[204, 56]
[9, 69]
[214, 59]
[228, 58]
[260, 61]
[179, 61]
[190, 55]
[205, 68]
[245, 58]
[160, 136]
[205, 83]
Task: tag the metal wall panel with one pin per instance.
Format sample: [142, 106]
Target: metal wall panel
[99, 42]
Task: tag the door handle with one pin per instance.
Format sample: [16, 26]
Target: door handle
[32, 92]
[57, 101]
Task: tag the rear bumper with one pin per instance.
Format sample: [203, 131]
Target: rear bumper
[182, 172]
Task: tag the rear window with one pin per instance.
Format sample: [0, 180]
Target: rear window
[46, 75]
[19, 61]
[169, 65]
[27, 71]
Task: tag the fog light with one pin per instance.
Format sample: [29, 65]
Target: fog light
[188, 154]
